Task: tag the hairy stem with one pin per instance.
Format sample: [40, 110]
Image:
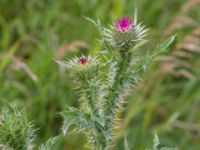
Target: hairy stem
[114, 90]
[88, 92]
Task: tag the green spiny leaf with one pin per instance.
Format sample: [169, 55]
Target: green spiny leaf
[50, 143]
[156, 142]
[162, 48]
[126, 147]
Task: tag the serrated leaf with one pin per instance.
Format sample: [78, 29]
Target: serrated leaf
[98, 120]
[156, 142]
[70, 117]
[168, 42]
[90, 20]
[70, 114]
[161, 48]
[138, 45]
[135, 16]
[65, 127]
[49, 144]
[96, 24]
[126, 147]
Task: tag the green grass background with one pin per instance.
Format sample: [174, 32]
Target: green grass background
[32, 32]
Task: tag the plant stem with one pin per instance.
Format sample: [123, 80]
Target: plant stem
[120, 76]
[114, 90]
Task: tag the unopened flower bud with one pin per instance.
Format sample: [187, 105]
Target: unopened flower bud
[83, 66]
[83, 60]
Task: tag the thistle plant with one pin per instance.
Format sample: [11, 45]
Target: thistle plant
[103, 82]
[16, 131]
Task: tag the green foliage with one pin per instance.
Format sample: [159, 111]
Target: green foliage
[16, 131]
[156, 144]
[162, 48]
[126, 146]
[32, 33]
[49, 143]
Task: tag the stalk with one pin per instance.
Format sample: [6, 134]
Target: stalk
[111, 99]
[120, 76]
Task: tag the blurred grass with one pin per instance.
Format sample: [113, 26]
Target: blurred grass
[33, 32]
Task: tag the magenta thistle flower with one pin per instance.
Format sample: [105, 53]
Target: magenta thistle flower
[82, 60]
[124, 24]
[124, 34]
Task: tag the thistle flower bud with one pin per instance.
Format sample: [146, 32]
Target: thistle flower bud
[83, 60]
[83, 67]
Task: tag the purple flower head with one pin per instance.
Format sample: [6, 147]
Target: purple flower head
[124, 24]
